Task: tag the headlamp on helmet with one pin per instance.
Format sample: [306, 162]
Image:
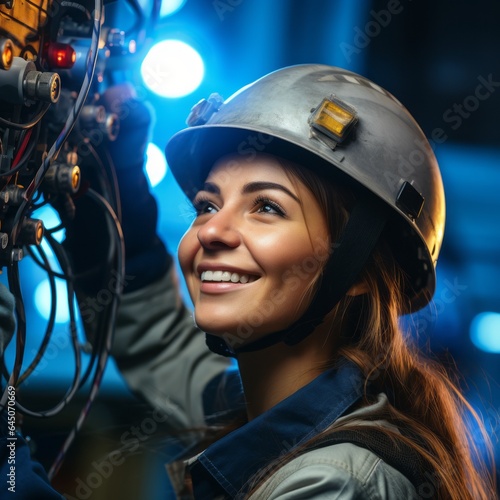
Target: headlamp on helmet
[334, 118]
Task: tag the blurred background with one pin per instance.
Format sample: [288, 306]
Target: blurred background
[440, 58]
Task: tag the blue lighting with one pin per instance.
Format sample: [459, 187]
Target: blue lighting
[172, 69]
[485, 331]
[169, 7]
[156, 165]
[43, 300]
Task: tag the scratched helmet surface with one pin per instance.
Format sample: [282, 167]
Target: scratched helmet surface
[344, 127]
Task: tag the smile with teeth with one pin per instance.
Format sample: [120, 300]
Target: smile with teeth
[226, 276]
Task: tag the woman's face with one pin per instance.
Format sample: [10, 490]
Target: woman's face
[254, 249]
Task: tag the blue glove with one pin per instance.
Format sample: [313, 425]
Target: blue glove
[22, 477]
[146, 256]
[87, 241]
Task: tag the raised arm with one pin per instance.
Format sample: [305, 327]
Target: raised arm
[157, 347]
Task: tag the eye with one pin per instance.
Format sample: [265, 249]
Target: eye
[268, 206]
[203, 206]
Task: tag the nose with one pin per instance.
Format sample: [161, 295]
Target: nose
[220, 231]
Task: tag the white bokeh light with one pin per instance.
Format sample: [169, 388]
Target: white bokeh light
[172, 69]
[156, 164]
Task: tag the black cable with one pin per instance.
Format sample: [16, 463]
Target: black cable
[40, 11]
[55, 229]
[25, 126]
[35, 198]
[41, 265]
[34, 185]
[15, 288]
[110, 188]
[78, 6]
[8, 34]
[13, 270]
[66, 275]
[11, 17]
[23, 160]
[108, 322]
[50, 323]
[60, 253]
[75, 385]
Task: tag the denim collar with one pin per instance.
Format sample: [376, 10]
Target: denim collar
[224, 469]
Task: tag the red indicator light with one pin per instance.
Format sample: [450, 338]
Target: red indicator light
[60, 55]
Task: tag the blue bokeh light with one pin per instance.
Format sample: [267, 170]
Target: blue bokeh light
[169, 7]
[156, 164]
[485, 331]
[43, 300]
[172, 68]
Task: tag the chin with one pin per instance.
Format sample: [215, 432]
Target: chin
[234, 334]
[213, 325]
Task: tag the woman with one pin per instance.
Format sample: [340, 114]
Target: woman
[319, 219]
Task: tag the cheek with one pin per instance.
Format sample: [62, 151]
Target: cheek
[292, 268]
[282, 254]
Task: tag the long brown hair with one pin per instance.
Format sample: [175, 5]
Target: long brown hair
[424, 399]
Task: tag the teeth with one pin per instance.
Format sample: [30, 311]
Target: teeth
[224, 276]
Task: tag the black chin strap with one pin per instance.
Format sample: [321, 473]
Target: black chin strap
[366, 222]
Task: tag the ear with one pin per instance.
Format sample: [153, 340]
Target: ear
[358, 289]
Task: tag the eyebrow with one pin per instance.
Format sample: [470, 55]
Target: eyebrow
[253, 187]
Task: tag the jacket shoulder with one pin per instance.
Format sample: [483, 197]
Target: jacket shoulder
[338, 471]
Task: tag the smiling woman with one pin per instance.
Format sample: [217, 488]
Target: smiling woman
[240, 229]
[303, 254]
